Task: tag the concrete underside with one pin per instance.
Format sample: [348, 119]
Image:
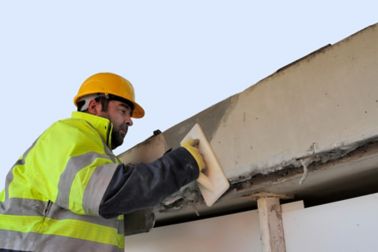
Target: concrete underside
[308, 131]
[353, 175]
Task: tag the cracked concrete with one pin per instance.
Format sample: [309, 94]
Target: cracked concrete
[299, 124]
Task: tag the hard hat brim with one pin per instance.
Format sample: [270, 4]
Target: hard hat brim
[138, 111]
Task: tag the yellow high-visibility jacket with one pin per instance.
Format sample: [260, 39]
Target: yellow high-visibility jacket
[68, 191]
[53, 192]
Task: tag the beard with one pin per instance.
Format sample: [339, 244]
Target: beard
[117, 138]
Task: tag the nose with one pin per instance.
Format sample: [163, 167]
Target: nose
[129, 122]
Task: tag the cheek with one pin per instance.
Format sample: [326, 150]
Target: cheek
[117, 121]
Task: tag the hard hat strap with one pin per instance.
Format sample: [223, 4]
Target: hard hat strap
[104, 99]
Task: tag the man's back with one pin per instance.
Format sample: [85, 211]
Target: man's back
[54, 190]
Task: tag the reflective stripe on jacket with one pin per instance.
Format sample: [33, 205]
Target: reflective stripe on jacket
[53, 192]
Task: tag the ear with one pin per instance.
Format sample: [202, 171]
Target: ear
[94, 107]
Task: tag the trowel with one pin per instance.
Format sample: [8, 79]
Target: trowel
[212, 182]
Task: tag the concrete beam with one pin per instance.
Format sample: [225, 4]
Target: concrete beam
[282, 134]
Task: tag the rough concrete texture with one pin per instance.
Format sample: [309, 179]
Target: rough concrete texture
[324, 101]
[310, 112]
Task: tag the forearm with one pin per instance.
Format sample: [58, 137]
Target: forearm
[141, 186]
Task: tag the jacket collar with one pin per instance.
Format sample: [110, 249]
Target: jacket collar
[101, 124]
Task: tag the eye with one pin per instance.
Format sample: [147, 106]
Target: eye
[124, 111]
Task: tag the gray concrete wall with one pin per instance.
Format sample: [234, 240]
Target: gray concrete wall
[324, 101]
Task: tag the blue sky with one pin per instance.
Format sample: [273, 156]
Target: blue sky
[181, 56]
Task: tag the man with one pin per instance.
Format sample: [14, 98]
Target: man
[68, 191]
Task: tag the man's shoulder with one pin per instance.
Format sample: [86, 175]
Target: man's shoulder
[73, 125]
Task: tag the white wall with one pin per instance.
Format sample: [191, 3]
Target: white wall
[349, 225]
[236, 233]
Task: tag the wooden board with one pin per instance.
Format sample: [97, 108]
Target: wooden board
[212, 182]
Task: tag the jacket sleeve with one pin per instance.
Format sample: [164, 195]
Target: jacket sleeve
[137, 186]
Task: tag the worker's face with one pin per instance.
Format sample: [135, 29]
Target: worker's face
[119, 114]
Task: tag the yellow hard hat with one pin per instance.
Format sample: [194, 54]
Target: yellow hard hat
[109, 83]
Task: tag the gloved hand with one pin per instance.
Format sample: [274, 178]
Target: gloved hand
[191, 145]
